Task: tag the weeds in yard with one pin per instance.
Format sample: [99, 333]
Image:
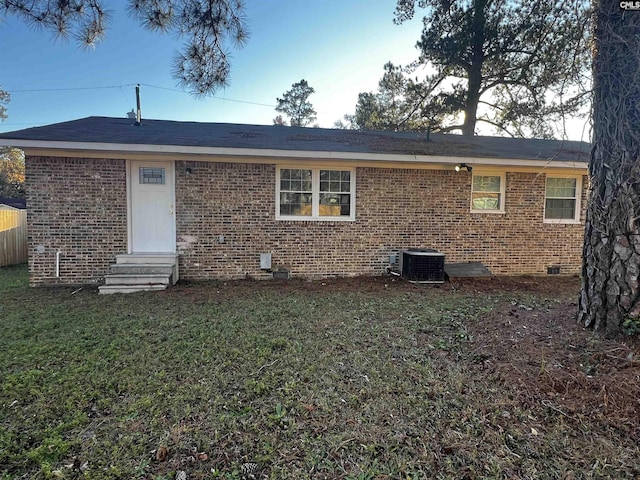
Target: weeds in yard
[213, 380]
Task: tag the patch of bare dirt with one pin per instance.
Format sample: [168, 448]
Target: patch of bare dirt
[553, 286]
[543, 350]
[239, 288]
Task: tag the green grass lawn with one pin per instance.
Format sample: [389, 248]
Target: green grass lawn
[303, 382]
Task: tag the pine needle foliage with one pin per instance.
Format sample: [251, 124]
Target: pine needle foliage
[209, 29]
[519, 66]
[295, 104]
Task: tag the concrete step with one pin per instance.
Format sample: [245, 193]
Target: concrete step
[147, 263]
[111, 289]
[142, 268]
[138, 279]
[147, 258]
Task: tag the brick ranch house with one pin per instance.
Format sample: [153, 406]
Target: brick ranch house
[322, 202]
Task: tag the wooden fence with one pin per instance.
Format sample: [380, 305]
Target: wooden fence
[13, 236]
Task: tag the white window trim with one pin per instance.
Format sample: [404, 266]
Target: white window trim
[315, 195]
[578, 208]
[503, 190]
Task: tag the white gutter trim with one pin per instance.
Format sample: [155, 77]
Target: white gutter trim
[274, 153]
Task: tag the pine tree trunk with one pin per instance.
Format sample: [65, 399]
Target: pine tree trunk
[471, 108]
[611, 265]
[474, 71]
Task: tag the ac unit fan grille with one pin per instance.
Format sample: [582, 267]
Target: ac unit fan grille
[422, 266]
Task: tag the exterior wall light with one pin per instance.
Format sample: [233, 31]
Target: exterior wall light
[460, 166]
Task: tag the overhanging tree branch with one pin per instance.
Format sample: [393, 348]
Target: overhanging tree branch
[210, 28]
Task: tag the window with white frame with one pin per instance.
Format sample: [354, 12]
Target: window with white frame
[315, 194]
[562, 199]
[487, 192]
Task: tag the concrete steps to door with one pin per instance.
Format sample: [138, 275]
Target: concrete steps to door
[141, 272]
[110, 289]
[141, 268]
[138, 279]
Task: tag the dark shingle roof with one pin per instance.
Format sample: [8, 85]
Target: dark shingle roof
[20, 203]
[224, 135]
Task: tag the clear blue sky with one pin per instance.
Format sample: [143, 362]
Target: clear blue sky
[339, 47]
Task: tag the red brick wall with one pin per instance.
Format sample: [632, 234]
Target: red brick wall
[395, 209]
[77, 206]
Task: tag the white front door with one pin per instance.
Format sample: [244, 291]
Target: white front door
[153, 227]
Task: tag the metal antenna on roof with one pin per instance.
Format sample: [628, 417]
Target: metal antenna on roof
[138, 113]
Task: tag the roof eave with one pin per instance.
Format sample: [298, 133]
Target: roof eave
[34, 147]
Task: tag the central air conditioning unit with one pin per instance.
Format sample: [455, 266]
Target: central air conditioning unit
[422, 265]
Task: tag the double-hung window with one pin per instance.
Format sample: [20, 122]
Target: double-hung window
[562, 199]
[487, 192]
[315, 194]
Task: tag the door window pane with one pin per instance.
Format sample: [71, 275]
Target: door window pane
[149, 175]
